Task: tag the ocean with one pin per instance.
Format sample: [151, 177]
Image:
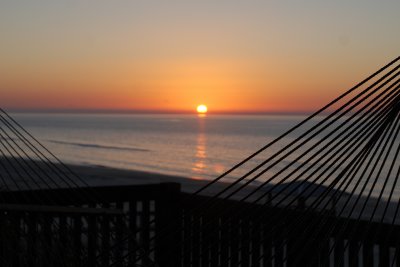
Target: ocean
[192, 146]
[200, 147]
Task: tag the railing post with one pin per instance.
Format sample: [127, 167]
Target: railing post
[105, 237]
[145, 233]
[224, 241]
[48, 242]
[188, 236]
[205, 242]
[384, 255]
[339, 252]
[266, 246]
[196, 240]
[354, 252]
[4, 236]
[63, 238]
[119, 232]
[245, 243]
[16, 231]
[77, 238]
[31, 239]
[256, 233]
[368, 254]
[132, 226]
[92, 240]
[168, 224]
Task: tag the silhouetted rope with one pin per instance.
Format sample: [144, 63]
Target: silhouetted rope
[338, 215]
[364, 235]
[319, 225]
[300, 138]
[267, 145]
[26, 168]
[392, 224]
[37, 144]
[32, 174]
[321, 130]
[215, 196]
[49, 169]
[52, 168]
[8, 121]
[330, 188]
[308, 168]
[298, 125]
[319, 200]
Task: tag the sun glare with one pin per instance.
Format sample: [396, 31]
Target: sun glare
[202, 109]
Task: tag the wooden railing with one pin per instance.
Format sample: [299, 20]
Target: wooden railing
[160, 220]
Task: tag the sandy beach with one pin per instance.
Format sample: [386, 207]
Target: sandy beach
[92, 175]
[96, 175]
[105, 176]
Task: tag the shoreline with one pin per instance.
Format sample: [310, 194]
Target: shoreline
[98, 175]
[95, 175]
[92, 175]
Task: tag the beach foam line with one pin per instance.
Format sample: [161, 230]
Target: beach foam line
[87, 145]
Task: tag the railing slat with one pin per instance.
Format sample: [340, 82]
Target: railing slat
[205, 241]
[224, 242]
[267, 246]
[368, 254]
[196, 241]
[133, 228]
[119, 235]
[187, 246]
[92, 240]
[384, 256]
[339, 253]
[235, 242]
[105, 237]
[255, 248]
[354, 253]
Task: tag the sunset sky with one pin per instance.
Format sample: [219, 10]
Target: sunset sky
[169, 56]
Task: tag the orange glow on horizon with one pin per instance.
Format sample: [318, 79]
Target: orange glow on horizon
[229, 85]
[166, 56]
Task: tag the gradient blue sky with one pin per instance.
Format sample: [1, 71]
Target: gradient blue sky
[172, 55]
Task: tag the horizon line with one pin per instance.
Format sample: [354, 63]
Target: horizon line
[142, 111]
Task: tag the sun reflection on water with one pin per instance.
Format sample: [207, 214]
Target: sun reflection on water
[199, 166]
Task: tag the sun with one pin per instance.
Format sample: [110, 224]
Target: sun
[202, 109]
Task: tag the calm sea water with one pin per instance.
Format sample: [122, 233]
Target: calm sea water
[189, 145]
[185, 145]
